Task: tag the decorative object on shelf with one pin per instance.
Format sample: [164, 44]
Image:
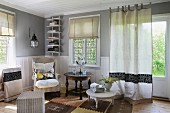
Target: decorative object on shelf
[108, 82]
[81, 62]
[33, 41]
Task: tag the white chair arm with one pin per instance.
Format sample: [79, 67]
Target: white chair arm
[57, 76]
[34, 77]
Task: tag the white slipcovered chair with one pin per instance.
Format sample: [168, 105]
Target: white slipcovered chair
[44, 75]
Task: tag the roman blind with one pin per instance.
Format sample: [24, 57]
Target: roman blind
[6, 24]
[86, 27]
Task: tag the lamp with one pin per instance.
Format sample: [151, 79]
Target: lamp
[33, 41]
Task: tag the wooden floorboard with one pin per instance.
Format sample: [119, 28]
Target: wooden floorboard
[156, 107]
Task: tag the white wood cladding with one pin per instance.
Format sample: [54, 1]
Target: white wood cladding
[47, 8]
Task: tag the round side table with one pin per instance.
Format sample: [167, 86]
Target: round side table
[100, 96]
[77, 77]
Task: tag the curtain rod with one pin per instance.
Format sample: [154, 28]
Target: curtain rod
[131, 8]
[6, 11]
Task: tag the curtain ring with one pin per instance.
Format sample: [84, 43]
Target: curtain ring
[118, 8]
[122, 8]
[141, 6]
[129, 7]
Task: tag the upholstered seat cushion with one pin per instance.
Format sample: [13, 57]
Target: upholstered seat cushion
[47, 83]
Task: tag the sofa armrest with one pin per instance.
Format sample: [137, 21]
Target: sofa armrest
[57, 76]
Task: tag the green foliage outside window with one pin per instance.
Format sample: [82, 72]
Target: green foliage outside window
[159, 55]
[3, 49]
[85, 48]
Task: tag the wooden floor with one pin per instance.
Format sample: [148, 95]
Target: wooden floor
[155, 107]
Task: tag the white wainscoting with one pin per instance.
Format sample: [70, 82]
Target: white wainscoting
[26, 68]
[62, 67]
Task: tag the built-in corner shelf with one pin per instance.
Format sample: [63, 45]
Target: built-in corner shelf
[54, 35]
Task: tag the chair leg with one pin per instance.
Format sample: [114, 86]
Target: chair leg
[59, 93]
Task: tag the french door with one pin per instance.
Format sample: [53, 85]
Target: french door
[161, 54]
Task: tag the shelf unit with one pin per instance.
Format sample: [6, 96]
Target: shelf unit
[54, 35]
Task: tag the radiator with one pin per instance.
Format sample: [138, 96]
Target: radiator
[12, 81]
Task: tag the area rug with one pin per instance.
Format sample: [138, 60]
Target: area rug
[120, 106]
[90, 105]
[53, 107]
[72, 104]
[70, 100]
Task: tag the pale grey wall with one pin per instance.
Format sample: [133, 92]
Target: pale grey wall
[159, 8]
[23, 22]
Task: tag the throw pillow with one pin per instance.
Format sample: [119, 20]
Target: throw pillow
[46, 67]
[49, 75]
[49, 67]
[39, 76]
[39, 66]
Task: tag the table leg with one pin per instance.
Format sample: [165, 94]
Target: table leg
[76, 85]
[96, 103]
[81, 90]
[88, 98]
[112, 100]
[66, 86]
[89, 82]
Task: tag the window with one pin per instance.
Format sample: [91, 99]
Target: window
[84, 40]
[7, 40]
[159, 46]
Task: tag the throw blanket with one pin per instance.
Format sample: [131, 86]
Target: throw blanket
[12, 81]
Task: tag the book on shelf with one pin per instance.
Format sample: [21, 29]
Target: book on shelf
[53, 38]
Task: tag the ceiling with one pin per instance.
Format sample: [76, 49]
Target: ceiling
[47, 8]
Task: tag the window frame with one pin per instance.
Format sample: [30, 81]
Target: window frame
[97, 46]
[8, 63]
[159, 18]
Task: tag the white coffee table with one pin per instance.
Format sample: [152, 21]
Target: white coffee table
[100, 96]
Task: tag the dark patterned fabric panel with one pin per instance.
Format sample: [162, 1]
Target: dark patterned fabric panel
[12, 76]
[146, 78]
[120, 76]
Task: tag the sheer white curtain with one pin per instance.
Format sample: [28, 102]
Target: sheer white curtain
[131, 52]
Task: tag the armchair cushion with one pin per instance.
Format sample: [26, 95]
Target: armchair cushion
[47, 83]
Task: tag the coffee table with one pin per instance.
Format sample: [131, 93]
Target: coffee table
[100, 96]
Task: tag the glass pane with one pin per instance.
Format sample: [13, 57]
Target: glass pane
[158, 34]
[91, 51]
[3, 50]
[78, 49]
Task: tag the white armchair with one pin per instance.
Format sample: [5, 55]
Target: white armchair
[44, 75]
